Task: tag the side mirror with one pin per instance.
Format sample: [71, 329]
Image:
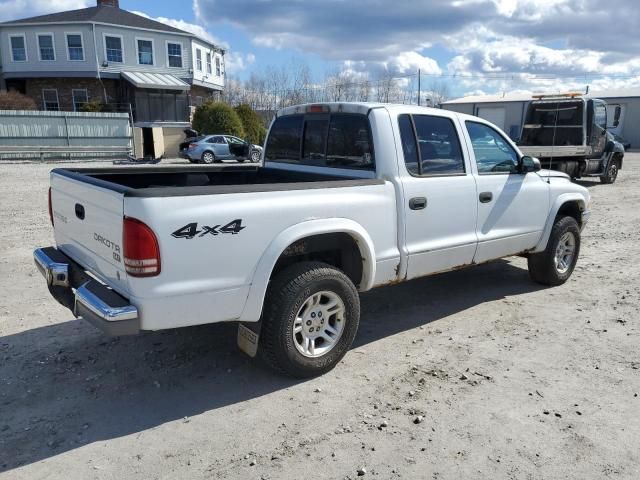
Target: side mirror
[530, 164]
[616, 116]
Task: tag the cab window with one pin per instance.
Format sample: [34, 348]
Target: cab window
[493, 153]
[338, 140]
[430, 145]
[600, 115]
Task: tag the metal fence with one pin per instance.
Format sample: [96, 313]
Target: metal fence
[27, 135]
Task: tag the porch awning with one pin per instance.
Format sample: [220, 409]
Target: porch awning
[162, 81]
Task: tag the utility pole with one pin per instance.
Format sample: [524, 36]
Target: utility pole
[419, 77]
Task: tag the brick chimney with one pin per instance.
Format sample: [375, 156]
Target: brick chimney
[108, 3]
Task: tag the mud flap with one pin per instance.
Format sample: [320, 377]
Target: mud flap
[248, 337]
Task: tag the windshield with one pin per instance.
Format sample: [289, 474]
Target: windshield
[338, 140]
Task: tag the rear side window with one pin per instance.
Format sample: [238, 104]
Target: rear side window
[430, 145]
[283, 144]
[335, 140]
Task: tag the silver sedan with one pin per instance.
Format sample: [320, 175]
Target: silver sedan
[215, 148]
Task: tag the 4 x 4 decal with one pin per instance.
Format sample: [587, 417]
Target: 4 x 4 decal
[190, 230]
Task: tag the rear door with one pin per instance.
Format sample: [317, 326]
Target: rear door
[440, 194]
[220, 147]
[88, 222]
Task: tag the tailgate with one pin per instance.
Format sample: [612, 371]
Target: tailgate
[88, 228]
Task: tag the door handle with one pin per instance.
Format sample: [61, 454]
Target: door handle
[486, 197]
[79, 211]
[418, 203]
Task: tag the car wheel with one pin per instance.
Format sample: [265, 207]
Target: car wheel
[310, 319]
[240, 160]
[255, 156]
[208, 157]
[611, 174]
[555, 265]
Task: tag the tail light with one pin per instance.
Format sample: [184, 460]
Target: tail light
[50, 207]
[193, 145]
[141, 251]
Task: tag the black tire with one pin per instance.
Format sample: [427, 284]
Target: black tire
[287, 293]
[208, 157]
[240, 160]
[543, 267]
[611, 174]
[255, 156]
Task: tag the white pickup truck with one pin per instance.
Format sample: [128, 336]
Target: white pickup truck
[351, 196]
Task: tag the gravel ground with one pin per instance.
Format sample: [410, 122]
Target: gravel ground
[471, 374]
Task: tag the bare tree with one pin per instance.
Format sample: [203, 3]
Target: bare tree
[438, 92]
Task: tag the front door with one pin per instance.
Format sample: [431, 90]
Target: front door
[439, 195]
[512, 206]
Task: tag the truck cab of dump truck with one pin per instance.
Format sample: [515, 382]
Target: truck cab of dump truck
[569, 133]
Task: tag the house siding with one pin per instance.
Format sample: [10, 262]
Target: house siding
[160, 61]
[61, 63]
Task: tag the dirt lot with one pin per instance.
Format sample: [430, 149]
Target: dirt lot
[512, 380]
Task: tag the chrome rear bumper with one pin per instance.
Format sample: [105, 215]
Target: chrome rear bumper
[84, 296]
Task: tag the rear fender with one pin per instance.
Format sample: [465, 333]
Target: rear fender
[262, 274]
[560, 201]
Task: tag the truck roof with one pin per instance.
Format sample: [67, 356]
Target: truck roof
[353, 107]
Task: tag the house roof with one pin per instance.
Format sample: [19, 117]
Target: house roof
[99, 14]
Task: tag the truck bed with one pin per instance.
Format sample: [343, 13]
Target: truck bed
[206, 180]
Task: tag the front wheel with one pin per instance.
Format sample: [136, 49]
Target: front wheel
[555, 265]
[255, 156]
[310, 319]
[611, 174]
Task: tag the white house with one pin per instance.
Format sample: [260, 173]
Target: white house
[112, 56]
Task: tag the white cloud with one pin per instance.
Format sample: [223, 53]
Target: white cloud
[17, 9]
[235, 62]
[194, 28]
[493, 44]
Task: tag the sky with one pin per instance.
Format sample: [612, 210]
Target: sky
[475, 46]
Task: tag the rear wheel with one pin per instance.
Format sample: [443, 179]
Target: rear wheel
[255, 156]
[208, 157]
[311, 317]
[555, 265]
[611, 173]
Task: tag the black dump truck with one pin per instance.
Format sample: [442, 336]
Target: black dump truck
[568, 132]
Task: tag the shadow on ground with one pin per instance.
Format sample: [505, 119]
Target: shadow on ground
[67, 385]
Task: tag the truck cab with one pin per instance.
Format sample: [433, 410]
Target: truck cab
[568, 132]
